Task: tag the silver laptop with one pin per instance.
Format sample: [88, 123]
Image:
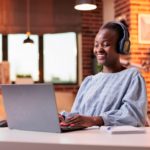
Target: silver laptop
[32, 107]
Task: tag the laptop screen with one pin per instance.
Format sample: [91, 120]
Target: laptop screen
[31, 107]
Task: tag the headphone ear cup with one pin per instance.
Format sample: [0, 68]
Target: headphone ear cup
[124, 46]
[124, 43]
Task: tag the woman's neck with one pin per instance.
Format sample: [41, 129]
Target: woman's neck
[113, 69]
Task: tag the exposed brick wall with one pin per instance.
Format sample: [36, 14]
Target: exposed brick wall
[91, 22]
[122, 8]
[139, 52]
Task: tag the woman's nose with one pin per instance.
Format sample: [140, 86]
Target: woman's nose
[99, 49]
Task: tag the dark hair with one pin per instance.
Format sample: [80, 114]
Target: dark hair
[115, 27]
[123, 21]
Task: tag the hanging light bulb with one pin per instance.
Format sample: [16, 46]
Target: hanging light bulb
[84, 5]
[28, 39]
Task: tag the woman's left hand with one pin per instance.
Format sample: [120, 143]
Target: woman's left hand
[84, 121]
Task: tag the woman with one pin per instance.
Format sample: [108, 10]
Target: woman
[115, 96]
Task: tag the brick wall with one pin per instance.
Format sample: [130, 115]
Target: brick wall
[139, 52]
[91, 22]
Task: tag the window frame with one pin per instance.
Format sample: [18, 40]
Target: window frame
[41, 59]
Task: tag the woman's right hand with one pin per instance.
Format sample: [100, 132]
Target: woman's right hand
[61, 118]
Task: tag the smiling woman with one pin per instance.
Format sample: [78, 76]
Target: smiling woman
[117, 95]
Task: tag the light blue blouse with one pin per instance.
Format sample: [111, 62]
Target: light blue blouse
[119, 98]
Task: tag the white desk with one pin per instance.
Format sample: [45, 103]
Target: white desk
[89, 139]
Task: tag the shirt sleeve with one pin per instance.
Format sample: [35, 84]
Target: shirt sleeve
[133, 108]
[83, 88]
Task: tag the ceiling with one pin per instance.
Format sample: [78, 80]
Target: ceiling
[46, 16]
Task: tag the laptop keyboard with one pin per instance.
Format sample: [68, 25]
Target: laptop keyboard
[3, 123]
[70, 128]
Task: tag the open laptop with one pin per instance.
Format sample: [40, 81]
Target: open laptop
[32, 107]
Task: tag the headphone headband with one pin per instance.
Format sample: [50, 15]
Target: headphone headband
[124, 43]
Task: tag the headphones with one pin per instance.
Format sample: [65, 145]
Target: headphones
[124, 43]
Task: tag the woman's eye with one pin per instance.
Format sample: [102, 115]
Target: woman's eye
[106, 44]
[96, 45]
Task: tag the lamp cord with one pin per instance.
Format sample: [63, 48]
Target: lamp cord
[28, 15]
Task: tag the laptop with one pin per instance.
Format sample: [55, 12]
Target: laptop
[32, 107]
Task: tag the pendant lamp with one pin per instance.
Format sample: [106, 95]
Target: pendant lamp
[28, 39]
[85, 5]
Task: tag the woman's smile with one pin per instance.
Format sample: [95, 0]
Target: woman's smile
[100, 56]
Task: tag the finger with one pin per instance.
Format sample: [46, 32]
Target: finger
[74, 120]
[61, 118]
[80, 124]
[76, 124]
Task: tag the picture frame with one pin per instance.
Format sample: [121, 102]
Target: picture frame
[144, 28]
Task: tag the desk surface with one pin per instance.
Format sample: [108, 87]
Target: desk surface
[89, 139]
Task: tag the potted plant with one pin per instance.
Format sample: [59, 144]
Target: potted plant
[24, 79]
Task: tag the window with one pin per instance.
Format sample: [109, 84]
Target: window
[0, 47]
[60, 58]
[23, 58]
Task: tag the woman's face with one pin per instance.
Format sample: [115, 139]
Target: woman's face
[105, 47]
